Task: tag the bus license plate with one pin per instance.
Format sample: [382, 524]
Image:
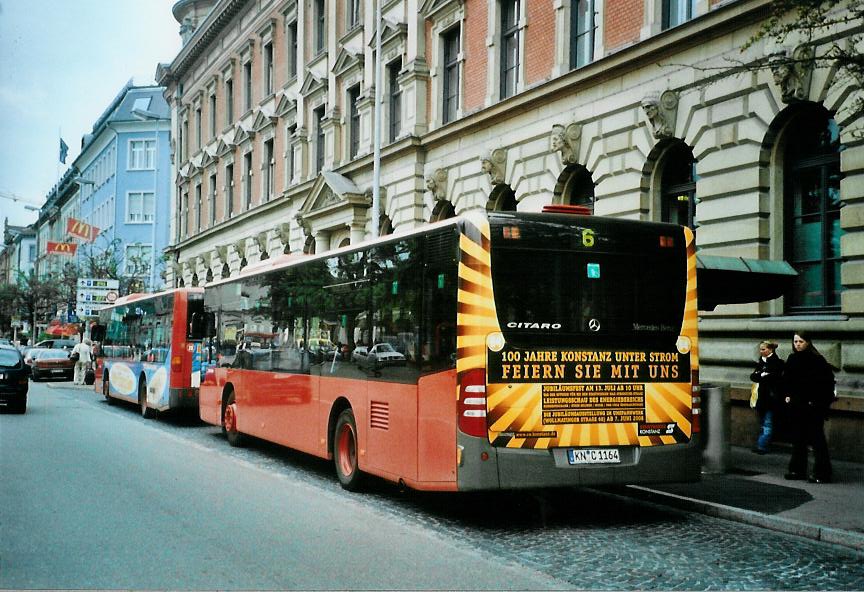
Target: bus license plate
[593, 456]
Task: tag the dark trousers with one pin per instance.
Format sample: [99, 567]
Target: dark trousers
[808, 424]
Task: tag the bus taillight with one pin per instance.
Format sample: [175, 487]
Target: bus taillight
[696, 421]
[176, 363]
[472, 403]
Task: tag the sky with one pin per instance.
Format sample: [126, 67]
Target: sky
[61, 64]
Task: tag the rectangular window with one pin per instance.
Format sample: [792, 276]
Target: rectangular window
[184, 140]
[451, 75]
[676, 12]
[212, 115]
[269, 169]
[183, 216]
[509, 47]
[142, 155]
[198, 143]
[319, 139]
[229, 102]
[354, 120]
[292, 50]
[139, 207]
[268, 69]
[198, 208]
[320, 26]
[353, 11]
[581, 33]
[247, 83]
[289, 155]
[247, 180]
[137, 259]
[395, 99]
[211, 205]
[229, 191]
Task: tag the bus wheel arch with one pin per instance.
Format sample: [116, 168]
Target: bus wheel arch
[346, 451]
[106, 387]
[229, 417]
[147, 412]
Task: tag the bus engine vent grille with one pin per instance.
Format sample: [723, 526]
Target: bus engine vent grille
[379, 415]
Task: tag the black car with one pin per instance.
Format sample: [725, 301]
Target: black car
[14, 380]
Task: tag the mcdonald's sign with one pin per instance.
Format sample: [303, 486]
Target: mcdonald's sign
[82, 229]
[66, 249]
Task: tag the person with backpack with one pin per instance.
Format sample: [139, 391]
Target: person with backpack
[81, 355]
[808, 381]
[768, 376]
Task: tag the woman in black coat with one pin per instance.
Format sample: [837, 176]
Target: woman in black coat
[808, 381]
[768, 375]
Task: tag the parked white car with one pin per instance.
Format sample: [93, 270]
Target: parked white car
[380, 354]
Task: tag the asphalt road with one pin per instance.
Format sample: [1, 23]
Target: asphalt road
[94, 496]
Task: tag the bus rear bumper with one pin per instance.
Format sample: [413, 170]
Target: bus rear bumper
[512, 468]
[183, 398]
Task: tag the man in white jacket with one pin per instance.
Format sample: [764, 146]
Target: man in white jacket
[83, 361]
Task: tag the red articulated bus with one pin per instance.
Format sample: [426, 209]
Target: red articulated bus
[496, 351]
[148, 349]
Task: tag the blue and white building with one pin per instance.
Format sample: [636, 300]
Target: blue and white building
[124, 175]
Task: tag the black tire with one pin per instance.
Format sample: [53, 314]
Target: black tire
[146, 412]
[21, 408]
[345, 452]
[229, 423]
[106, 390]
[34, 375]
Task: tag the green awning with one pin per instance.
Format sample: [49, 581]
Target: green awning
[736, 280]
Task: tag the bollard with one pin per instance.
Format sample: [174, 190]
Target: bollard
[716, 428]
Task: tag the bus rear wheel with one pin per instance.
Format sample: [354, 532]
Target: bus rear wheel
[229, 424]
[146, 412]
[345, 451]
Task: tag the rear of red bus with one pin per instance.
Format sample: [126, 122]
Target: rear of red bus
[577, 352]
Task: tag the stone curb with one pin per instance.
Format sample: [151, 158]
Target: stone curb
[836, 536]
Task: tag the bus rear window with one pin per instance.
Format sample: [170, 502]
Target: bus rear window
[561, 298]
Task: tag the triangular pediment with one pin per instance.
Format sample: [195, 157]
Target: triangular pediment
[264, 118]
[391, 31]
[185, 171]
[242, 134]
[222, 147]
[330, 191]
[345, 61]
[285, 104]
[312, 84]
[428, 8]
[208, 157]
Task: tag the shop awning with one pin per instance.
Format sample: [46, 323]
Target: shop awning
[736, 280]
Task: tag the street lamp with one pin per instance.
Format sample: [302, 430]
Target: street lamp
[146, 115]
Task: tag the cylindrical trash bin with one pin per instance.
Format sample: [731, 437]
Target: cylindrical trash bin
[716, 427]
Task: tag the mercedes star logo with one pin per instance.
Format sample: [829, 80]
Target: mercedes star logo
[594, 325]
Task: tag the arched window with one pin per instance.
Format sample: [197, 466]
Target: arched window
[579, 189]
[443, 209]
[678, 185]
[502, 199]
[811, 168]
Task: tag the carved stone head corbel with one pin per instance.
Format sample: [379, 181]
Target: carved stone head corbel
[495, 166]
[262, 239]
[661, 111]
[283, 231]
[240, 247]
[792, 73]
[437, 184]
[566, 140]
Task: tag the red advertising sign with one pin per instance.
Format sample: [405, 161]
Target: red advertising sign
[66, 249]
[82, 229]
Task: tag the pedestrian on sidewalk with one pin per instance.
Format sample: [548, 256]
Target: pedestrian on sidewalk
[768, 375]
[808, 381]
[83, 362]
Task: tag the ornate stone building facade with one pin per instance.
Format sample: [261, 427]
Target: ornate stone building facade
[515, 104]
